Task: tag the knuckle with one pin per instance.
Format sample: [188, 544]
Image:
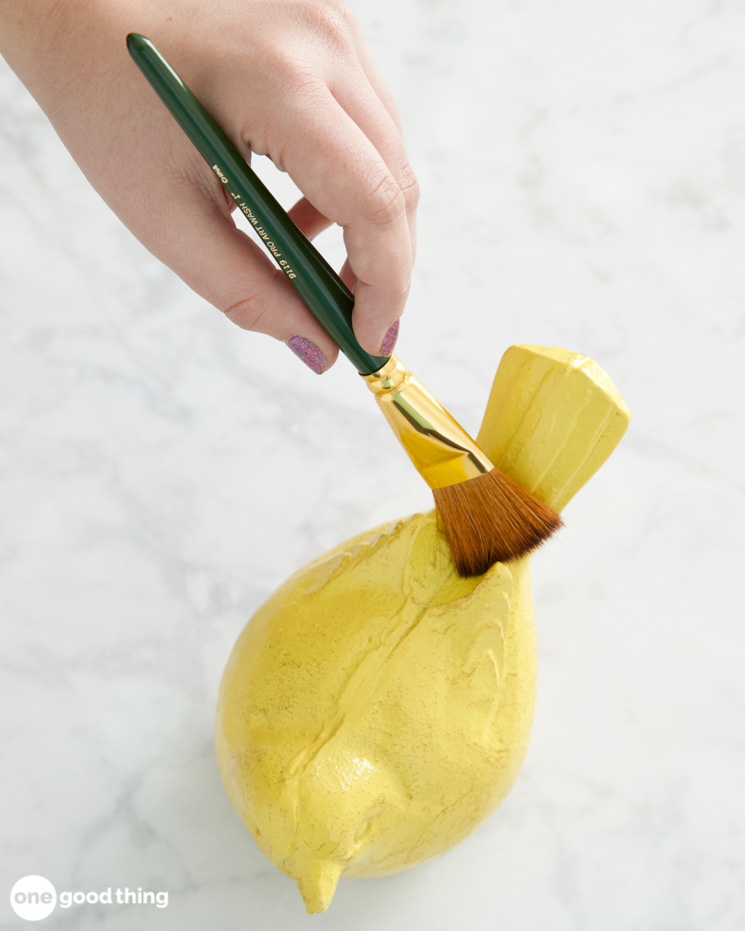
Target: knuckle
[399, 286]
[279, 64]
[303, 83]
[409, 186]
[290, 72]
[386, 203]
[331, 19]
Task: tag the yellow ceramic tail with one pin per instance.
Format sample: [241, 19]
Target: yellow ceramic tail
[552, 419]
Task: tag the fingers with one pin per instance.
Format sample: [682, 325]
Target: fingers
[395, 154]
[345, 176]
[196, 237]
[381, 126]
[377, 82]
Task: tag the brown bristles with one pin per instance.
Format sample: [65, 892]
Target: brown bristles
[491, 519]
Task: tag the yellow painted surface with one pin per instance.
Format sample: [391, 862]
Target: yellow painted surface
[377, 707]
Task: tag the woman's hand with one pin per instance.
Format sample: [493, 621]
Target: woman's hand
[291, 79]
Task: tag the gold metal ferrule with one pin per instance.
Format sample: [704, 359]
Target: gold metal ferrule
[443, 453]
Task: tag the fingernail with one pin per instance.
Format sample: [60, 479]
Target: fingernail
[389, 340]
[307, 351]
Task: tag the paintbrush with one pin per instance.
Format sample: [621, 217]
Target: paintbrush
[485, 515]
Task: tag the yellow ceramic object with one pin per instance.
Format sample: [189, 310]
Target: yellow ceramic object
[377, 707]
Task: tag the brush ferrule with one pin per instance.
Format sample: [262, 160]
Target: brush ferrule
[441, 450]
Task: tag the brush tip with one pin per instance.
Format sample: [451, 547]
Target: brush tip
[491, 519]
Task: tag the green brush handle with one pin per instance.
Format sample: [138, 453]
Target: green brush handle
[321, 289]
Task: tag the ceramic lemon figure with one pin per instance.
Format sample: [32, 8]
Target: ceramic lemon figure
[377, 707]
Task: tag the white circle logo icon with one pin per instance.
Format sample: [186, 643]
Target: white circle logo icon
[33, 898]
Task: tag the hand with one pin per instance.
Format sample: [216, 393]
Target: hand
[291, 79]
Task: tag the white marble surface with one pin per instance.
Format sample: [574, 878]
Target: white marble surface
[162, 471]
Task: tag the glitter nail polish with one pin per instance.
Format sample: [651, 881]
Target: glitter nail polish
[389, 340]
[307, 351]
